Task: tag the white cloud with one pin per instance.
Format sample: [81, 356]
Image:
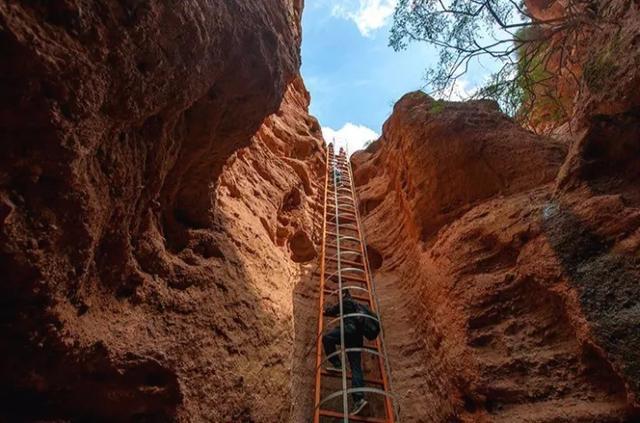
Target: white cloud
[460, 91]
[352, 137]
[368, 15]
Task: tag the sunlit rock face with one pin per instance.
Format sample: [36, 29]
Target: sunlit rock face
[509, 265]
[447, 156]
[157, 187]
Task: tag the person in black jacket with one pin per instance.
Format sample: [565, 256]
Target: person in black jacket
[353, 338]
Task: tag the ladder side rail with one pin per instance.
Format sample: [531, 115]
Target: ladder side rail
[343, 354]
[318, 375]
[381, 361]
[391, 406]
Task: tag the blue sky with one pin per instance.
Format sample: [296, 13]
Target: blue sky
[353, 76]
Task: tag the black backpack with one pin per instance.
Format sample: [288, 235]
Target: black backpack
[370, 327]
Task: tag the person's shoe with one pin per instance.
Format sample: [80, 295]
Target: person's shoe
[334, 368]
[358, 406]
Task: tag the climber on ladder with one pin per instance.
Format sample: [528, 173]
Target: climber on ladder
[345, 342]
[355, 329]
[337, 176]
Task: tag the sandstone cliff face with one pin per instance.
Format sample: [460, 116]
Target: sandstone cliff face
[159, 203]
[151, 229]
[508, 293]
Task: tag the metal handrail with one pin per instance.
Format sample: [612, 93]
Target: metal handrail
[350, 349]
[350, 227]
[347, 206]
[344, 316]
[346, 269]
[351, 238]
[346, 196]
[345, 252]
[344, 288]
[353, 390]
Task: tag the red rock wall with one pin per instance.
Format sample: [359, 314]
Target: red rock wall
[508, 293]
[158, 190]
[150, 227]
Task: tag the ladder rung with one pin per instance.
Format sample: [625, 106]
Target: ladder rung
[351, 262]
[343, 211]
[346, 216]
[335, 234]
[353, 278]
[354, 296]
[332, 223]
[336, 374]
[331, 206]
[342, 228]
[346, 277]
[356, 418]
[343, 248]
[343, 220]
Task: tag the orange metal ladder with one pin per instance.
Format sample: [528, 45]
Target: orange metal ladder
[344, 266]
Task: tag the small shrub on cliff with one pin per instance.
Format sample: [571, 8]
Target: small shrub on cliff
[437, 106]
[540, 97]
[600, 66]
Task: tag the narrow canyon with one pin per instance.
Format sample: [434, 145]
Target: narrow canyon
[162, 185]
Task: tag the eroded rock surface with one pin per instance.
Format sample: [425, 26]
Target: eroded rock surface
[150, 217]
[509, 272]
[159, 207]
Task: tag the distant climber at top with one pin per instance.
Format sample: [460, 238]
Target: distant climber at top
[337, 177]
[355, 329]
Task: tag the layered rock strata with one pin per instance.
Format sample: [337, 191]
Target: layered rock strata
[509, 274]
